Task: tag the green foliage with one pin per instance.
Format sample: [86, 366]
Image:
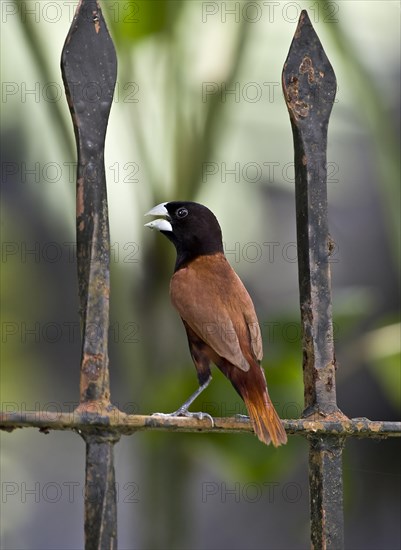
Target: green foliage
[136, 19]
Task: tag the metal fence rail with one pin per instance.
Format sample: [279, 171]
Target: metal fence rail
[92, 420]
[309, 86]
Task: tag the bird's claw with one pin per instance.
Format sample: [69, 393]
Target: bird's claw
[188, 414]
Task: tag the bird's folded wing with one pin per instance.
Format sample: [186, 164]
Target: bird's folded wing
[211, 298]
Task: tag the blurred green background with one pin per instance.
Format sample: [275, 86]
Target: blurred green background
[198, 115]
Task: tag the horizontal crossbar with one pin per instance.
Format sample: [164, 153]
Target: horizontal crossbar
[116, 422]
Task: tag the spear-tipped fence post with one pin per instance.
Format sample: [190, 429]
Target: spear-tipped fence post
[309, 86]
[89, 68]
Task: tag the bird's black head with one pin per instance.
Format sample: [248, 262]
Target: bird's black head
[191, 227]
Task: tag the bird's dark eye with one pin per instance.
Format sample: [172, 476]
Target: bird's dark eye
[181, 213]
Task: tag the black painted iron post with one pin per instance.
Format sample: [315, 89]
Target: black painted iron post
[309, 86]
[89, 68]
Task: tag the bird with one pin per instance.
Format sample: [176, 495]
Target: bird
[217, 312]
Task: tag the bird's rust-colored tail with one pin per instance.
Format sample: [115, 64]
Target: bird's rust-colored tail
[252, 387]
[265, 420]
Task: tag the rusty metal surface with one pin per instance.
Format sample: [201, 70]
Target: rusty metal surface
[100, 492]
[309, 86]
[89, 69]
[117, 422]
[326, 491]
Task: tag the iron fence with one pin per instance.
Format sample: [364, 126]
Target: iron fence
[309, 86]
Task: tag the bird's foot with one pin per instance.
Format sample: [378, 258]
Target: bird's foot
[185, 412]
[198, 415]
